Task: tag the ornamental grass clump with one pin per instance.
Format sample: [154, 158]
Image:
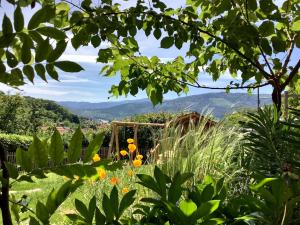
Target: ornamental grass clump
[201, 150]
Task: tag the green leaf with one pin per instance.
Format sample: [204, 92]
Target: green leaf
[167, 42]
[296, 25]
[24, 160]
[26, 52]
[56, 150]
[38, 152]
[11, 59]
[96, 41]
[42, 51]
[42, 213]
[206, 209]
[75, 146]
[114, 200]
[157, 33]
[93, 147]
[262, 183]
[188, 207]
[126, 201]
[266, 28]
[40, 70]
[29, 72]
[33, 221]
[266, 46]
[58, 51]
[108, 210]
[68, 66]
[99, 217]
[12, 170]
[6, 26]
[161, 181]
[52, 32]
[252, 4]
[51, 71]
[42, 15]
[81, 208]
[18, 19]
[278, 44]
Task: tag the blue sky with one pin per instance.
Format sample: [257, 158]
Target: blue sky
[88, 85]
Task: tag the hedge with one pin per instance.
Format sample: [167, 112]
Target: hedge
[10, 142]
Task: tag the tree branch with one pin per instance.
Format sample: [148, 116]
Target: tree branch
[292, 75]
[287, 60]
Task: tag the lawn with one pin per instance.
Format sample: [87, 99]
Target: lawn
[39, 190]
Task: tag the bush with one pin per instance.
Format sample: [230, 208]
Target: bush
[10, 142]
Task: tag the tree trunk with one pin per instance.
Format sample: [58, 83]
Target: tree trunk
[4, 198]
[276, 97]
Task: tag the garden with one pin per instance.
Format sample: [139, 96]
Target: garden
[243, 169]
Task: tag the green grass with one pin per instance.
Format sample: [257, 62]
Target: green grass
[39, 190]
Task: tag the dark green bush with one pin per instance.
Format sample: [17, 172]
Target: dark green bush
[10, 142]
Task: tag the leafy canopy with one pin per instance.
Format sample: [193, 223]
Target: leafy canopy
[254, 39]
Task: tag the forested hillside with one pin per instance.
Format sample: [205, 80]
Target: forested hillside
[24, 115]
[218, 103]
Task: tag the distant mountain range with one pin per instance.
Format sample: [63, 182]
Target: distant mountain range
[219, 103]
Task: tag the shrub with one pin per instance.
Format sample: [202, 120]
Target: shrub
[10, 142]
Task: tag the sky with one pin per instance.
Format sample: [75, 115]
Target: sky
[89, 85]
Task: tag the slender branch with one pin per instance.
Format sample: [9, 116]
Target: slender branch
[292, 74]
[266, 60]
[287, 60]
[18, 203]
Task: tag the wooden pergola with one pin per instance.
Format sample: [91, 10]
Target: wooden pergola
[114, 140]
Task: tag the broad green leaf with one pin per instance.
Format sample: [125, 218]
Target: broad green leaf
[33, 221]
[296, 25]
[93, 147]
[42, 15]
[278, 44]
[75, 146]
[11, 59]
[52, 32]
[252, 4]
[58, 51]
[29, 72]
[42, 51]
[42, 213]
[206, 209]
[38, 152]
[108, 210]
[161, 181]
[157, 33]
[6, 26]
[18, 19]
[81, 208]
[99, 217]
[40, 70]
[24, 160]
[188, 207]
[126, 201]
[12, 170]
[51, 71]
[167, 42]
[26, 52]
[266, 46]
[96, 41]
[266, 28]
[68, 66]
[262, 183]
[56, 150]
[114, 200]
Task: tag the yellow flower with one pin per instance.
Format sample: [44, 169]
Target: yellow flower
[139, 157]
[76, 177]
[114, 181]
[131, 147]
[101, 173]
[130, 140]
[96, 158]
[130, 173]
[66, 178]
[123, 152]
[137, 163]
[125, 190]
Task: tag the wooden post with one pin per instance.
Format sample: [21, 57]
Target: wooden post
[286, 104]
[117, 142]
[135, 137]
[111, 143]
